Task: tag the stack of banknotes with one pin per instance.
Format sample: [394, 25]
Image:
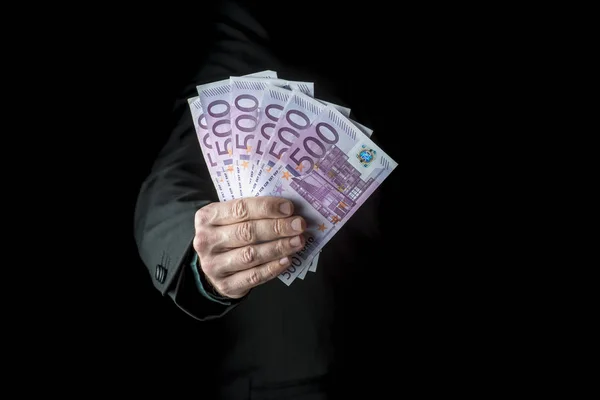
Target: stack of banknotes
[261, 135]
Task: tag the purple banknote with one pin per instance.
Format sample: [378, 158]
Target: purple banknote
[218, 176]
[215, 99]
[297, 116]
[246, 96]
[328, 174]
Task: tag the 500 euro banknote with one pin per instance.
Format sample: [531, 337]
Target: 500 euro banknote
[328, 173]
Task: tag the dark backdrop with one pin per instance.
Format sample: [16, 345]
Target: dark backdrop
[400, 68]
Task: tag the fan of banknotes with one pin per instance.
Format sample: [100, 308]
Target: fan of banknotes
[261, 135]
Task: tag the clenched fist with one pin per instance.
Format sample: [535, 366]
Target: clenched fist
[244, 243]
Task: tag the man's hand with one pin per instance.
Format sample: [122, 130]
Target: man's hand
[244, 243]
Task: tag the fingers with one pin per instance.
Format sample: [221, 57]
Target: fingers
[246, 209]
[246, 257]
[263, 230]
[240, 244]
[237, 285]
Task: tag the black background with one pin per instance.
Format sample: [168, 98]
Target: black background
[110, 78]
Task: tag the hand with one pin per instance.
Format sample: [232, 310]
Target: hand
[244, 243]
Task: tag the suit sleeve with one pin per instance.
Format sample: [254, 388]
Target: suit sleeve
[176, 187]
[179, 183]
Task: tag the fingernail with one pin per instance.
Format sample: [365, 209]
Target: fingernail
[285, 208]
[297, 224]
[295, 241]
[284, 261]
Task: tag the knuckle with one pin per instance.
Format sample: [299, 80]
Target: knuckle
[240, 209]
[280, 248]
[203, 215]
[248, 255]
[245, 232]
[271, 271]
[208, 267]
[223, 287]
[201, 241]
[254, 278]
[266, 207]
[278, 227]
